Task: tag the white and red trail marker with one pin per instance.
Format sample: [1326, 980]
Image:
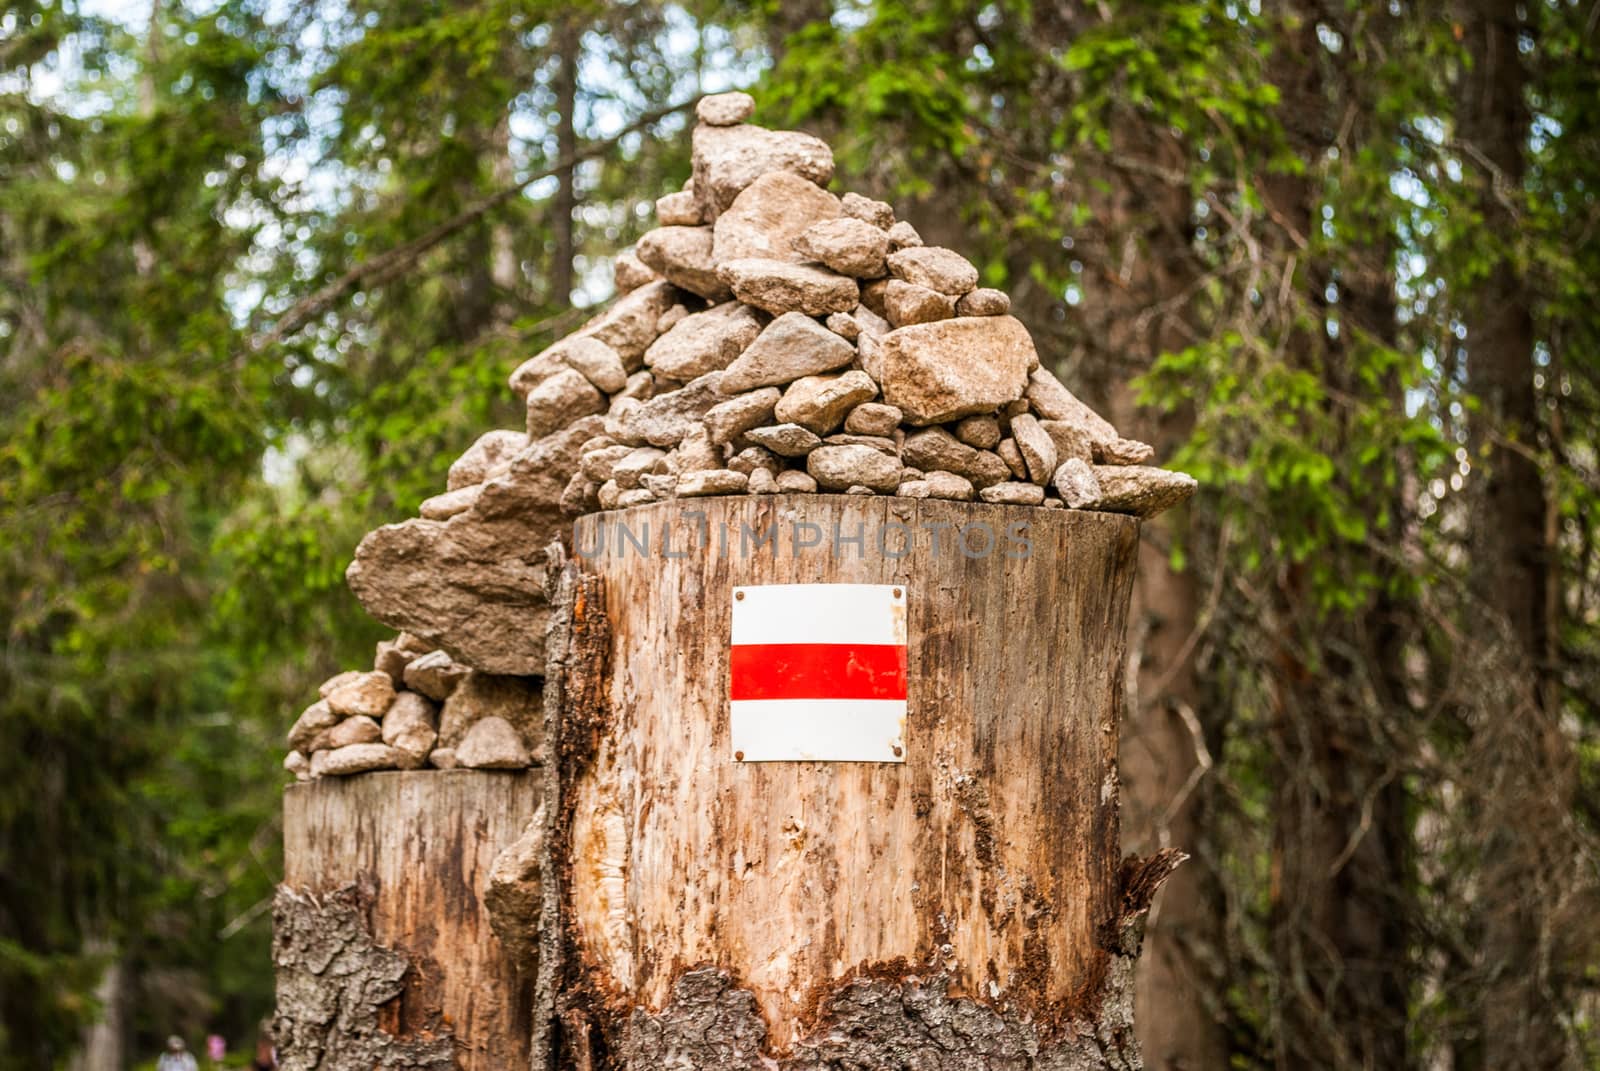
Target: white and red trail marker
[818, 672]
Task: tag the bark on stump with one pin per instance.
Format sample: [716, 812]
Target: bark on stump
[385, 952]
[965, 909]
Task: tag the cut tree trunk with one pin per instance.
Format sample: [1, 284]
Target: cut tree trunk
[964, 908]
[385, 949]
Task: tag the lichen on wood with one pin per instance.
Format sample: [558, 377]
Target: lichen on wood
[333, 983]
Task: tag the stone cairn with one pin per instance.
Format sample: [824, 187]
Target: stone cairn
[769, 338]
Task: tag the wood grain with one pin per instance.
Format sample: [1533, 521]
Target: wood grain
[423, 842]
[990, 857]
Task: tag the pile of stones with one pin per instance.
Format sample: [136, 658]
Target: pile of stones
[417, 708]
[770, 338]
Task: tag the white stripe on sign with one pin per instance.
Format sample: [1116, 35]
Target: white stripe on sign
[818, 613]
[832, 730]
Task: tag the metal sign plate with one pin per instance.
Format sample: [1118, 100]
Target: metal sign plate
[817, 672]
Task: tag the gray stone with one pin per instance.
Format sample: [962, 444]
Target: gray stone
[443, 507]
[517, 700]
[337, 681]
[761, 482]
[878, 213]
[485, 459]
[819, 403]
[1012, 493]
[1037, 448]
[560, 400]
[627, 470]
[793, 481]
[860, 489]
[767, 217]
[792, 346]
[938, 484]
[903, 236]
[848, 246]
[778, 287]
[393, 656]
[712, 482]
[728, 420]
[1141, 490]
[473, 585]
[839, 468]
[936, 449]
[729, 158]
[979, 432]
[609, 494]
[360, 729]
[597, 464]
[844, 325]
[670, 319]
[641, 385]
[600, 364]
[312, 723]
[725, 109]
[1124, 452]
[695, 453]
[667, 418]
[410, 728]
[877, 442]
[368, 694]
[1052, 401]
[643, 496]
[621, 421]
[785, 440]
[954, 368]
[872, 296]
[628, 326]
[679, 209]
[755, 457]
[683, 255]
[907, 303]
[629, 273]
[434, 675]
[1008, 452]
[357, 758]
[296, 763]
[492, 744]
[443, 758]
[872, 324]
[872, 418]
[1071, 439]
[984, 301]
[704, 342]
[1075, 481]
[934, 267]
[581, 496]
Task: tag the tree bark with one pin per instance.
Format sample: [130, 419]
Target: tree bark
[386, 952]
[964, 909]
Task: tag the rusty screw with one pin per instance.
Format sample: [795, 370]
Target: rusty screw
[738, 756]
[897, 751]
[738, 594]
[897, 593]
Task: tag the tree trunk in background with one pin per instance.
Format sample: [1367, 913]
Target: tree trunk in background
[563, 256]
[1136, 310]
[1339, 898]
[104, 1043]
[1523, 781]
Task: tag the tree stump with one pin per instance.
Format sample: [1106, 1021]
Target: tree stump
[385, 952]
[962, 907]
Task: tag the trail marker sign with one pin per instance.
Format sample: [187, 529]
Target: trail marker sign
[817, 672]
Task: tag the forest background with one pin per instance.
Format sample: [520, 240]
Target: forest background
[1336, 259]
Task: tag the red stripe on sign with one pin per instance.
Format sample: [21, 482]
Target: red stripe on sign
[817, 671]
